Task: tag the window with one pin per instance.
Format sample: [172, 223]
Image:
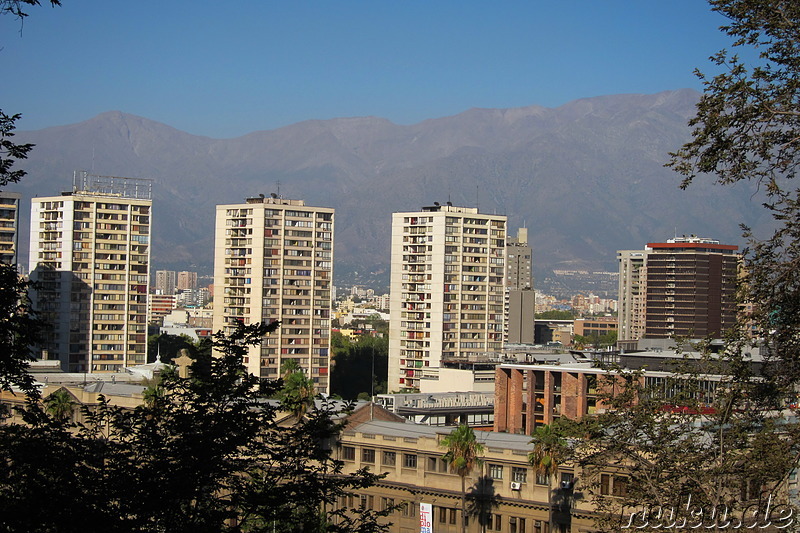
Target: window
[496, 471]
[447, 515]
[496, 524]
[542, 479]
[613, 485]
[619, 486]
[409, 460]
[367, 455]
[519, 474]
[516, 525]
[389, 458]
[387, 503]
[348, 453]
[431, 464]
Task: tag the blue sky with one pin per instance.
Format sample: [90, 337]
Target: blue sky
[224, 69]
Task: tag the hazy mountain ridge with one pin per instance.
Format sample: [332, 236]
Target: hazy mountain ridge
[587, 178]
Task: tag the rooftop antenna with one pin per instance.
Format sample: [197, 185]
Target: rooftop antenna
[279, 188]
[478, 197]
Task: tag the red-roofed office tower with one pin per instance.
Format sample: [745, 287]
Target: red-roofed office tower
[685, 287]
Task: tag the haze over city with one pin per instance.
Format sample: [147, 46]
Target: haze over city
[225, 70]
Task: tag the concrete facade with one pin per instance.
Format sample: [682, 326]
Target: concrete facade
[90, 255]
[586, 327]
[186, 280]
[447, 279]
[273, 260]
[165, 282]
[632, 287]
[9, 227]
[411, 457]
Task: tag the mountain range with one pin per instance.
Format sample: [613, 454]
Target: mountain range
[586, 178]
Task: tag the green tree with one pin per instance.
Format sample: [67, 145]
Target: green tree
[356, 366]
[10, 152]
[747, 129]
[297, 393]
[59, 404]
[463, 455]
[169, 346]
[19, 330]
[549, 450]
[682, 442]
[17, 7]
[205, 455]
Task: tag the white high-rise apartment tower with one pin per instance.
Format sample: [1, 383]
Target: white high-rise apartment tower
[273, 260]
[90, 256]
[447, 279]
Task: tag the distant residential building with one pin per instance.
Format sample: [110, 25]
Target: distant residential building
[187, 280]
[632, 293]
[592, 304]
[383, 302]
[273, 260]
[545, 302]
[684, 287]
[90, 258]
[9, 227]
[519, 272]
[554, 332]
[159, 306]
[588, 327]
[165, 282]
[193, 297]
[447, 280]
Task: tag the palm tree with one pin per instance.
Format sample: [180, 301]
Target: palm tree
[59, 404]
[297, 394]
[462, 454]
[549, 449]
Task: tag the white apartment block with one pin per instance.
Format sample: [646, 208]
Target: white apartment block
[273, 260]
[9, 227]
[447, 280]
[632, 293]
[90, 255]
